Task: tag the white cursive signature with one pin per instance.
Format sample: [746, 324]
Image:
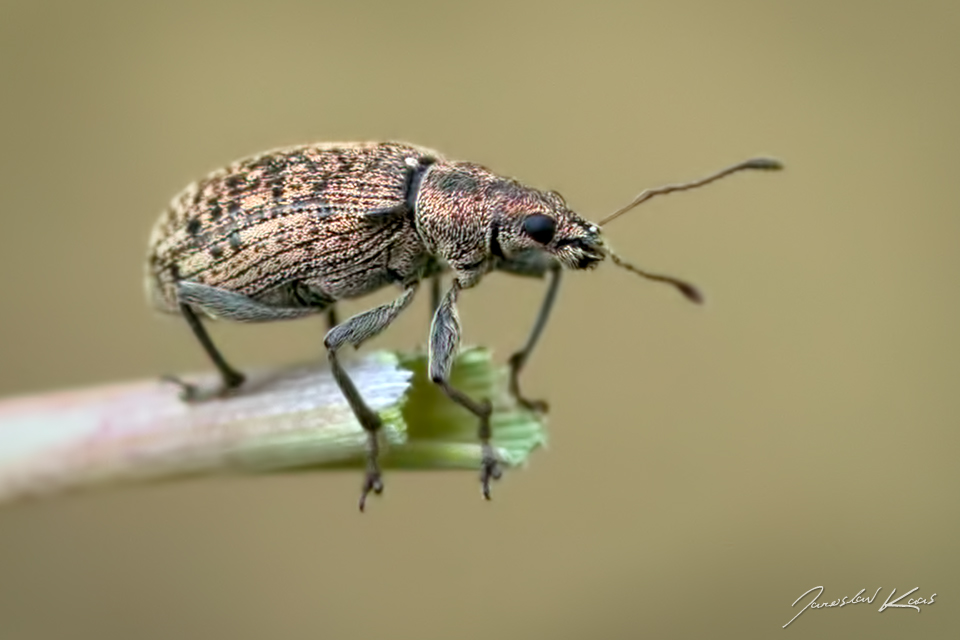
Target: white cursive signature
[912, 603]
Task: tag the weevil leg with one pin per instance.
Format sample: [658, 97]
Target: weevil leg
[231, 306]
[332, 317]
[519, 359]
[532, 264]
[444, 345]
[355, 331]
[230, 377]
[435, 292]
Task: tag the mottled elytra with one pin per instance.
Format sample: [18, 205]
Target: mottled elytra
[288, 233]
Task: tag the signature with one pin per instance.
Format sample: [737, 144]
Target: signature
[912, 603]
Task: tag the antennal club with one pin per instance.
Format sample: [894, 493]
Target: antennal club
[689, 291]
[766, 164]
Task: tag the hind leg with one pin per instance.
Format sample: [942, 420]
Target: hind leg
[230, 378]
[229, 305]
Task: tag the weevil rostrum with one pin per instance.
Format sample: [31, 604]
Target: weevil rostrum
[290, 232]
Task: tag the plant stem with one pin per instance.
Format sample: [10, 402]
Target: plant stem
[285, 420]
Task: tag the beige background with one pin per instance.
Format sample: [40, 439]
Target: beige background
[707, 466]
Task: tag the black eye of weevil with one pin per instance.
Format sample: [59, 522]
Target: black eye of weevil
[540, 227]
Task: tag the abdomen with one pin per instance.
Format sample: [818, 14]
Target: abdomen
[292, 217]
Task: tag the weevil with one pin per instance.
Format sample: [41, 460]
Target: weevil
[290, 232]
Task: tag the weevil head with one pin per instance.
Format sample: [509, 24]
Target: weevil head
[526, 219]
[505, 219]
[555, 229]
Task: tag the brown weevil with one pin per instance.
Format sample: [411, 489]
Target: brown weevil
[290, 232]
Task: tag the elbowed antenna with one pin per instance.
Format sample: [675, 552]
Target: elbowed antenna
[689, 291]
[766, 164]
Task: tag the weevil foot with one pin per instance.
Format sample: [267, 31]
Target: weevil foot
[372, 482]
[537, 406]
[191, 393]
[489, 470]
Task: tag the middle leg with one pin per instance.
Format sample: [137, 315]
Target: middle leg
[444, 345]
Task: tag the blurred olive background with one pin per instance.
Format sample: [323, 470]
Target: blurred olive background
[707, 465]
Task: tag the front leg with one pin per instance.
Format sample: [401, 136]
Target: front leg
[519, 359]
[532, 264]
[355, 331]
[444, 345]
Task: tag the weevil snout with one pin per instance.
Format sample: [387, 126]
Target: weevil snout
[582, 247]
